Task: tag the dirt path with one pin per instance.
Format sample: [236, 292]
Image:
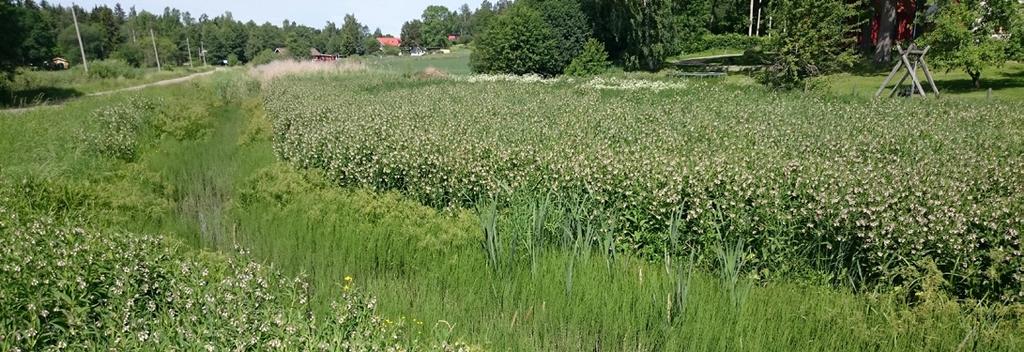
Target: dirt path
[127, 89]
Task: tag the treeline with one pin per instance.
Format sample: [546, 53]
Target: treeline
[35, 33]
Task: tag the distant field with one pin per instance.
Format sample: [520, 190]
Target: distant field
[455, 63]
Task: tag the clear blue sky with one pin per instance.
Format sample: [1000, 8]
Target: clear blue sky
[386, 14]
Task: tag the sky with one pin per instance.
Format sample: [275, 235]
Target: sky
[388, 15]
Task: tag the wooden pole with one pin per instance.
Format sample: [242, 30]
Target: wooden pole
[155, 52]
[81, 47]
[188, 46]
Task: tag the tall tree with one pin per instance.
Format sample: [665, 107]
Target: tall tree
[351, 37]
[437, 25]
[412, 34]
[14, 36]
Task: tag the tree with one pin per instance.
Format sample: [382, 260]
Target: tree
[92, 42]
[437, 25]
[811, 39]
[963, 39]
[593, 60]
[518, 42]
[412, 34]
[14, 36]
[481, 17]
[638, 34]
[568, 25]
[351, 37]
[886, 10]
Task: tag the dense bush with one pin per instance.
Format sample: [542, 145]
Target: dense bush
[569, 26]
[115, 128]
[110, 69]
[519, 42]
[265, 56]
[593, 60]
[864, 191]
[811, 39]
[66, 287]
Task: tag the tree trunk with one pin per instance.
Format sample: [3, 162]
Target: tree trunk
[975, 78]
[886, 31]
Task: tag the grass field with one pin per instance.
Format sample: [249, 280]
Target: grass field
[415, 203]
[1006, 83]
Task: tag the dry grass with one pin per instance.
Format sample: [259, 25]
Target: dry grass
[290, 67]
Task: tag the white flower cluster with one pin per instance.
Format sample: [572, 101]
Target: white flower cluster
[859, 185]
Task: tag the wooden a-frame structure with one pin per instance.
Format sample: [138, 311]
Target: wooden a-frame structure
[910, 59]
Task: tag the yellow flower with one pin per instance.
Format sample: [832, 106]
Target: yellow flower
[348, 279]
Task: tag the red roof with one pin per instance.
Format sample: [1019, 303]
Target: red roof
[389, 41]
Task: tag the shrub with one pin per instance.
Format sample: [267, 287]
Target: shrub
[811, 40]
[593, 60]
[114, 129]
[131, 53]
[182, 121]
[265, 57]
[66, 287]
[516, 42]
[110, 69]
[569, 26]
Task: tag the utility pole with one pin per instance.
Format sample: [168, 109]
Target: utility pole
[81, 48]
[155, 52]
[202, 51]
[750, 31]
[188, 45]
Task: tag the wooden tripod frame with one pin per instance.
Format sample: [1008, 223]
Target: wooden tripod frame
[910, 59]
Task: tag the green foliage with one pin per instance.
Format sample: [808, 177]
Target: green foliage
[962, 39]
[233, 60]
[14, 36]
[264, 57]
[811, 39]
[131, 53]
[111, 69]
[518, 42]
[569, 26]
[412, 34]
[593, 60]
[117, 127]
[351, 37]
[68, 287]
[438, 23]
[638, 34]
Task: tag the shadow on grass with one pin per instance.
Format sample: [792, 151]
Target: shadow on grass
[36, 96]
[957, 86]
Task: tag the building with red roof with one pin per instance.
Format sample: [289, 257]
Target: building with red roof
[389, 41]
